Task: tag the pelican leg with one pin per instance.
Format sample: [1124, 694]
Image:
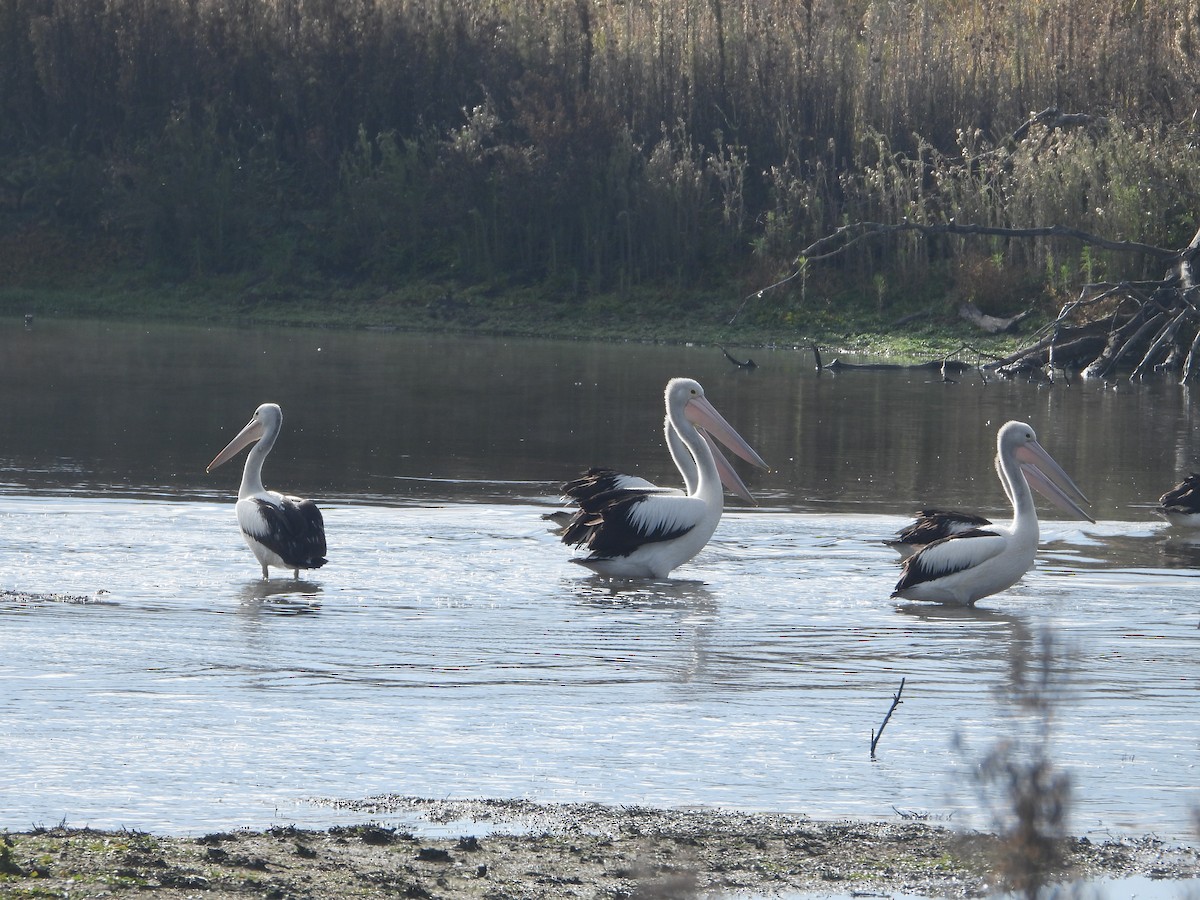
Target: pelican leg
[266, 577]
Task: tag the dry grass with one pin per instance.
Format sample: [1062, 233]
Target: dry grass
[590, 143]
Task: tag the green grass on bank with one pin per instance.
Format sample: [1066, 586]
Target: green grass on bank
[722, 316]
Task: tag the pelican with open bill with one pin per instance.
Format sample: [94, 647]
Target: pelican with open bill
[282, 531]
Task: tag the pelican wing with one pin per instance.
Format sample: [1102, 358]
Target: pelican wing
[293, 529]
[956, 553]
[619, 522]
[934, 524]
[602, 480]
[1183, 498]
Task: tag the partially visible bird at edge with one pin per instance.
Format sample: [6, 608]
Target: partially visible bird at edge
[1181, 505]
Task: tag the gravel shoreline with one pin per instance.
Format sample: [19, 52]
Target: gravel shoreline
[516, 849]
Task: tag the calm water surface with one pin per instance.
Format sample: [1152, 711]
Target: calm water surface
[449, 650]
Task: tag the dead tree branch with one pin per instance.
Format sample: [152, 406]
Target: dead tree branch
[848, 235]
[1153, 324]
[1051, 118]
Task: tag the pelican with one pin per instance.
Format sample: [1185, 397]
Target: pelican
[284, 532]
[973, 564]
[931, 525]
[1181, 505]
[644, 531]
[599, 480]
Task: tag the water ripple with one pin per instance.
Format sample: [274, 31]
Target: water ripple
[453, 651]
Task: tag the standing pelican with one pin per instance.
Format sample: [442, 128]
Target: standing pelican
[599, 479]
[1181, 505]
[964, 567]
[285, 532]
[643, 531]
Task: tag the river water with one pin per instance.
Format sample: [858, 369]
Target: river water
[151, 680]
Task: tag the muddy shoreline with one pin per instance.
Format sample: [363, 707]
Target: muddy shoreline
[515, 849]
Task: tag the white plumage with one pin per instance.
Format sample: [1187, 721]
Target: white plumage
[283, 532]
[973, 564]
[634, 529]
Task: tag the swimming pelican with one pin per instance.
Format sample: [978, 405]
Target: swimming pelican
[1181, 505]
[931, 525]
[973, 564]
[644, 531]
[284, 532]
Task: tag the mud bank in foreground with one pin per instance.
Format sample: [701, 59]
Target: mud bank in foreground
[511, 849]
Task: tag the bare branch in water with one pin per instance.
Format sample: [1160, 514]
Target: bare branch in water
[895, 702]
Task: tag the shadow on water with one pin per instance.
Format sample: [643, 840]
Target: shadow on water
[1181, 550]
[1142, 550]
[939, 612]
[666, 594]
[286, 597]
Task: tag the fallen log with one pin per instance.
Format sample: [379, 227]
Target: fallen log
[1145, 326]
[991, 324]
[955, 366]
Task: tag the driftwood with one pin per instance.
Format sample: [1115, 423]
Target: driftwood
[1138, 327]
[991, 324]
[748, 364]
[1144, 326]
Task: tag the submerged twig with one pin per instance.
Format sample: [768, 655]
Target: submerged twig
[882, 725]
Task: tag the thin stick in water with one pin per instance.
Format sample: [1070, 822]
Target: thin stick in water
[895, 702]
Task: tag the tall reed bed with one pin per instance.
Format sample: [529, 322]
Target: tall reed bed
[591, 144]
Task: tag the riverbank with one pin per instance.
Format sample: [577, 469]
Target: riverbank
[721, 316]
[518, 849]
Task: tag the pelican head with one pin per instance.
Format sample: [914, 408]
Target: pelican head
[265, 423]
[1017, 440]
[686, 396]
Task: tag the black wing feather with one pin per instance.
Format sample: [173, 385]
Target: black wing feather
[295, 532]
[914, 571]
[602, 524]
[1184, 497]
[927, 529]
[591, 484]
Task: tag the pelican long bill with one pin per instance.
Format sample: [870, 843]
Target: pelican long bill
[1051, 480]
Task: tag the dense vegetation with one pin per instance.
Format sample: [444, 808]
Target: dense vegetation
[589, 147]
